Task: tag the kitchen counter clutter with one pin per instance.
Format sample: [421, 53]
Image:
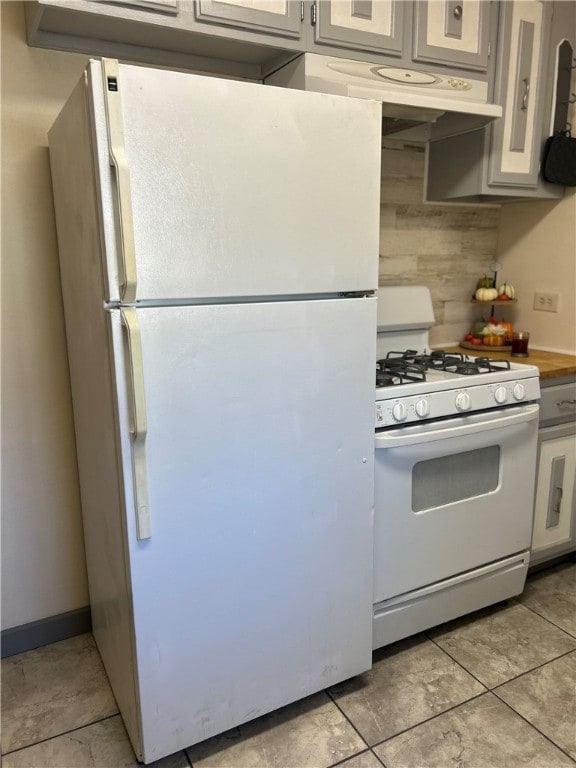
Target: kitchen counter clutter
[552, 365]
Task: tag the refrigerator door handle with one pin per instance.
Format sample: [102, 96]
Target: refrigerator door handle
[115, 131]
[137, 419]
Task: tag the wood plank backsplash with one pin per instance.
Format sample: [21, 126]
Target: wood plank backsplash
[445, 247]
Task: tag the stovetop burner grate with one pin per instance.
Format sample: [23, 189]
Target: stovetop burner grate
[410, 365]
[393, 371]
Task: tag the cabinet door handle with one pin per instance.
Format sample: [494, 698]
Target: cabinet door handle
[457, 12]
[526, 93]
[556, 491]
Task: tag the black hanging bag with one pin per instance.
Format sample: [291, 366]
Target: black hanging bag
[559, 159]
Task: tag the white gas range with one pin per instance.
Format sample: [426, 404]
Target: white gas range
[416, 384]
[456, 441]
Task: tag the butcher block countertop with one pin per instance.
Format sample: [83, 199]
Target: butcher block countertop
[552, 365]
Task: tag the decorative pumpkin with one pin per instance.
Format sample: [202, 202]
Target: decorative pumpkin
[485, 282]
[478, 327]
[486, 294]
[508, 331]
[507, 290]
[494, 335]
[493, 341]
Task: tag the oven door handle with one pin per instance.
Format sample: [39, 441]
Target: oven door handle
[409, 436]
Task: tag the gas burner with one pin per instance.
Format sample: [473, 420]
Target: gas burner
[485, 364]
[462, 367]
[387, 379]
[392, 371]
[470, 366]
[436, 360]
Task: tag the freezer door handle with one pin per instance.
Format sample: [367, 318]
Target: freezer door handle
[115, 130]
[137, 419]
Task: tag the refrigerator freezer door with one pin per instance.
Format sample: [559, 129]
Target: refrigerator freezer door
[237, 189]
[255, 586]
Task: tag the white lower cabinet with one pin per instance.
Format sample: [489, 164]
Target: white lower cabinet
[554, 531]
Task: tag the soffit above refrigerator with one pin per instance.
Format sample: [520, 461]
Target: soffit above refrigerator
[417, 105]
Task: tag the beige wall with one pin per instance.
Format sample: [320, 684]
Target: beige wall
[537, 246]
[445, 247]
[43, 570]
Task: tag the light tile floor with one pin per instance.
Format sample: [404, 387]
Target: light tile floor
[496, 689]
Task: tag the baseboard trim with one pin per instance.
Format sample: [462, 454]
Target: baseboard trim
[26, 637]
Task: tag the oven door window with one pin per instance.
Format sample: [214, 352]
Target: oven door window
[459, 476]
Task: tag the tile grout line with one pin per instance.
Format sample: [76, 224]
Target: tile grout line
[529, 671]
[429, 719]
[533, 726]
[368, 746]
[522, 674]
[345, 759]
[64, 733]
[538, 666]
[345, 716]
[431, 639]
[556, 626]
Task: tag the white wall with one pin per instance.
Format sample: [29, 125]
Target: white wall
[43, 571]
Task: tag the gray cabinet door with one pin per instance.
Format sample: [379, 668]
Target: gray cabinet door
[516, 138]
[364, 25]
[453, 32]
[555, 502]
[275, 17]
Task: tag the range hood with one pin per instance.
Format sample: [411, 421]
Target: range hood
[417, 105]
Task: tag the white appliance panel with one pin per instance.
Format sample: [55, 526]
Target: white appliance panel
[479, 524]
[240, 189]
[255, 586]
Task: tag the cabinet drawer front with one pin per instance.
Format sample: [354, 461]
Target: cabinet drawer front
[558, 404]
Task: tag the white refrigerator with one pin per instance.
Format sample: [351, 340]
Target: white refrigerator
[219, 251]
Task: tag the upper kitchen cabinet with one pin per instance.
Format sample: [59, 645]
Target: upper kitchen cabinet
[274, 17]
[253, 38]
[502, 162]
[373, 26]
[454, 32]
[516, 139]
[243, 38]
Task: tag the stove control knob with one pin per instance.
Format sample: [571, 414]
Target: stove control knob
[500, 395]
[462, 401]
[422, 408]
[519, 391]
[398, 412]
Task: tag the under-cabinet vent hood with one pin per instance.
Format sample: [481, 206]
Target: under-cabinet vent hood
[417, 105]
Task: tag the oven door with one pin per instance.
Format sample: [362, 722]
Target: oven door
[452, 495]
